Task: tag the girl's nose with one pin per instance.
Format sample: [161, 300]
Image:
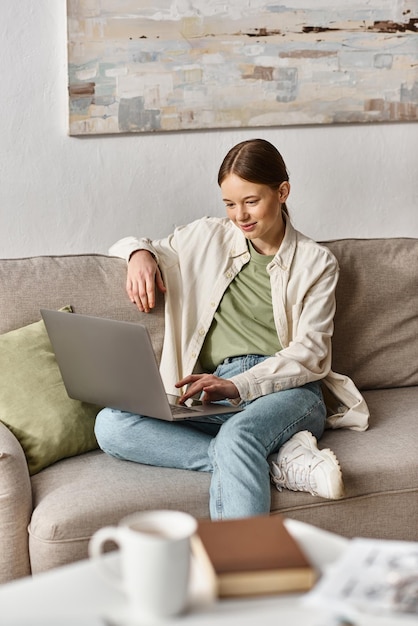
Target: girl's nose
[242, 214]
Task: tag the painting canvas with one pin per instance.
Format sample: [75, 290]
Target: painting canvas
[169, 65]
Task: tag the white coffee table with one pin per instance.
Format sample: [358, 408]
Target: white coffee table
[77, 595]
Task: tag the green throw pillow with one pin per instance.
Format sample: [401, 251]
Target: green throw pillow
[34, 404]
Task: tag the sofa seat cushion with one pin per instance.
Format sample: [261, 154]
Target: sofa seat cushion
[380, 469]
[77, 496]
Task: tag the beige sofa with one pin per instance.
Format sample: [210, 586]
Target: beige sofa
[46, 519]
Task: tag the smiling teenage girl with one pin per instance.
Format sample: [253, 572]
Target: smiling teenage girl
[249, 318]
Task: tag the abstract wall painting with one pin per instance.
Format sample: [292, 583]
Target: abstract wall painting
[176, 65]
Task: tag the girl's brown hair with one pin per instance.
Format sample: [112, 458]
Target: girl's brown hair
[257, 161]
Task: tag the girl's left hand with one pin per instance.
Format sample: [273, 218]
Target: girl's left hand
[213, 388]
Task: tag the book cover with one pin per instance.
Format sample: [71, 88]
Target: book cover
[252, 556]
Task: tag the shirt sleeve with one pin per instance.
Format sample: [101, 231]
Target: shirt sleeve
[126, 246]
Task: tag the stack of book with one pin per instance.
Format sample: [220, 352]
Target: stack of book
[252, 556]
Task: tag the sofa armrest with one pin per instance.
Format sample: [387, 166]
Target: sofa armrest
[15, 508]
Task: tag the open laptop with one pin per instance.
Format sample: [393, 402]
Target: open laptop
[112, 364]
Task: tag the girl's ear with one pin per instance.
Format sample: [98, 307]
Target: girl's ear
[284, 191]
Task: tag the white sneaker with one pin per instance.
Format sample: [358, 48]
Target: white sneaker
[300, 466]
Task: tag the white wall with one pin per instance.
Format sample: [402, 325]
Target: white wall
[61, 194]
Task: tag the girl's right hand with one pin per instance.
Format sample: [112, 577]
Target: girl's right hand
[143, 275]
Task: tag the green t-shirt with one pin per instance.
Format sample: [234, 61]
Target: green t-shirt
[244, 321]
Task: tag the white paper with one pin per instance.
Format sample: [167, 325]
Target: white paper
[372, 575]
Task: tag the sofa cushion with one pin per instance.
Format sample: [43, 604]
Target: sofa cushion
[34, 404]
[93, 284]
[380, 470]
[376, 324]
[77, 496]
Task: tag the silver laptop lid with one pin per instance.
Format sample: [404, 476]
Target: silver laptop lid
[107, 362]
[112, 364]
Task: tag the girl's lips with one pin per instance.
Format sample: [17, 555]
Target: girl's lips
[247, 227]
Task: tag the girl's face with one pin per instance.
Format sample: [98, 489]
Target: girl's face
[256, 210]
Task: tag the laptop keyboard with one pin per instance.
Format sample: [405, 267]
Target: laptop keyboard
[176, 409]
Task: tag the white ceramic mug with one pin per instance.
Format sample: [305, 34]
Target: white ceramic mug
[155, 549]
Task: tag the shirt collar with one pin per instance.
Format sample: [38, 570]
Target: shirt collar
[285, 253]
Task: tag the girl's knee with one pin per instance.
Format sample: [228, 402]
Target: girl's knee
[107, 428]
[234, 438]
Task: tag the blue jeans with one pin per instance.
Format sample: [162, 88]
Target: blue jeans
[233, 447]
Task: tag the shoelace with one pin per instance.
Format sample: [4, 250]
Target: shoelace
[294, 477]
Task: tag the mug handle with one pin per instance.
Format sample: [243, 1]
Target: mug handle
[95, 549]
